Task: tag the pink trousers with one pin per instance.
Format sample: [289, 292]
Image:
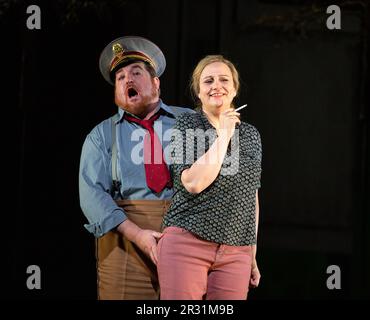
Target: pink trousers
[190, 268]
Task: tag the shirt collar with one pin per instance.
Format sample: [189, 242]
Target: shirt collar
[205, 120]
[162, 105]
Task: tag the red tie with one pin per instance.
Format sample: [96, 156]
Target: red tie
[156, 171]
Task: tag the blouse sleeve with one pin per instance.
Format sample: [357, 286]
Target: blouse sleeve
[258, 157]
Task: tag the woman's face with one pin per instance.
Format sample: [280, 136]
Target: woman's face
[216, 87]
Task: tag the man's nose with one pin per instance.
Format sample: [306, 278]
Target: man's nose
[128, 78]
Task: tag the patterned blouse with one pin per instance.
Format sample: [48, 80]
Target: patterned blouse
[225, 211]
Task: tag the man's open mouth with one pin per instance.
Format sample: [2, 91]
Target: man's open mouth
[131, 92]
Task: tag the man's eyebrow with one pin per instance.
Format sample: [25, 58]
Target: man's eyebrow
[138, 66]
[133, 67]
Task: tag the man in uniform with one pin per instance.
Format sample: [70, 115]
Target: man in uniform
[124, 182]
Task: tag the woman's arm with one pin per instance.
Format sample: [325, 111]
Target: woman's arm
[205, 170]
[255, 273]
[254, 247]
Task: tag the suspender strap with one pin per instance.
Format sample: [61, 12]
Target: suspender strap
[115, 180]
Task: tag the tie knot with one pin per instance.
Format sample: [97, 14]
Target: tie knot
[147, 124]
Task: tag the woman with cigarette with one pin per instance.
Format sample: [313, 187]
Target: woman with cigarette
[209, 242]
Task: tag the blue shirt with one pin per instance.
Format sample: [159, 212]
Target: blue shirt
[95, 176]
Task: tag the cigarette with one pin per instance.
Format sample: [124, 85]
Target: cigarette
[242, 107]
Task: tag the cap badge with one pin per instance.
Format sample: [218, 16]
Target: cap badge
[117, 49]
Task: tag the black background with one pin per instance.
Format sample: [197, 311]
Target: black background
[307, 92]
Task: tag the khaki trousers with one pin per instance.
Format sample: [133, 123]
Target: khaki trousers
[123, 271]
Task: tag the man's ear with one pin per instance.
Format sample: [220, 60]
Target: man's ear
[157, 82]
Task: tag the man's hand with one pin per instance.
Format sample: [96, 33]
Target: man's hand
[146, 240]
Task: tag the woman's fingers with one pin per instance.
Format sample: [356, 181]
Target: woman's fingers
[236, 119]
[230, 112]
